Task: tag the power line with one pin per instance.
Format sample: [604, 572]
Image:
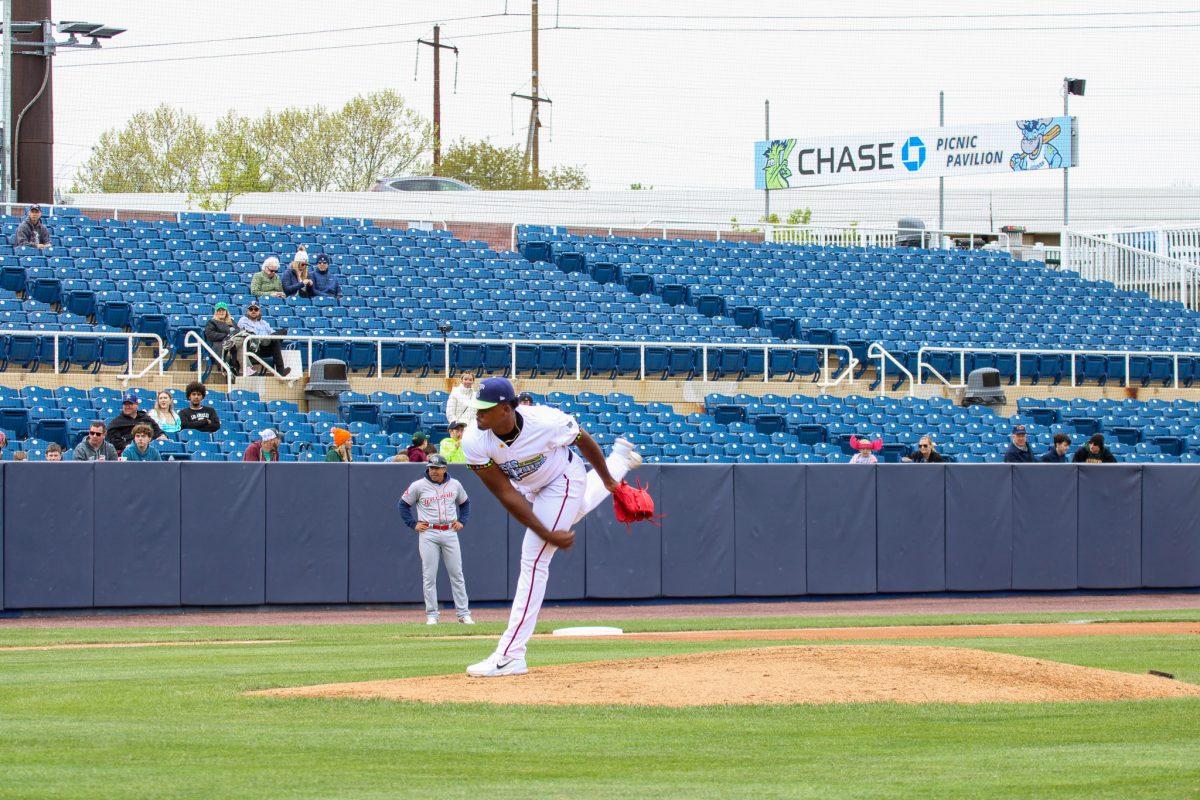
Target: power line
[1055, 29]
[871, 17]
[291, 50]
[223, 40]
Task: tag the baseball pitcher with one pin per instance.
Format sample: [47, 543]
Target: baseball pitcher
[524, 458]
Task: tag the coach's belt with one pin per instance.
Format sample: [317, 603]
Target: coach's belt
[441, 527]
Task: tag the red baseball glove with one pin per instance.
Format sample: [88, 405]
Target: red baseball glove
[632, 504]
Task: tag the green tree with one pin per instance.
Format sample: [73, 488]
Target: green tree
[163, 150]
[294, 149]
[379, 136]
[486, 166]
[233, 166]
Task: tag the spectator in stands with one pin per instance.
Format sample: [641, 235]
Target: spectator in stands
[3, 442]
[1019, 452]
[164, 413]
[265, 449]
[54, 452]
[458, 408]
[925, 453]
[95, 447]
[400, 458]
[196, 416]
[866, 449]
[416, 450]
[32, 232]
[1057, 454]
[20, 455]
[141, 449]
[524, 399]
[343, 445]
[266, 282]
[1094, 452]
[253, 322]
[325, 282]
[120, 427]
[451, 447]
[219, 327]
[295, 279]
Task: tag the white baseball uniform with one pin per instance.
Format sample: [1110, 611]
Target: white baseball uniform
[543, 468]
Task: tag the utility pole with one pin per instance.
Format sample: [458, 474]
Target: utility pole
[767, 136]
[534, 120]
[437, 46]
[942, 180]
[535, 99]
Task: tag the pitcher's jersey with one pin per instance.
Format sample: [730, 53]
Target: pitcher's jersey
[538, 455]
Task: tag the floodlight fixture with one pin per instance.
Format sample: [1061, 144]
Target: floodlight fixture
[106, 33]
[84, 28]
[26, 28]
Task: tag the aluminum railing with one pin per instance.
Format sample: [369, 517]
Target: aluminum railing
[197, 342]
[1069, 356]
[839, 236]
[161, 354]
[235, 216]
[876, 350]
[1180, 241]
[1131, 268]
[845, 357]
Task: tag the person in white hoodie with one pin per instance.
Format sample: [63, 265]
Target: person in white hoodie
[458, 406]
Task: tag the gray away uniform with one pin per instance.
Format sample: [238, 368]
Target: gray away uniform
[438, 504]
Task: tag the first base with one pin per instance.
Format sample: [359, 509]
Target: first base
[589, 630]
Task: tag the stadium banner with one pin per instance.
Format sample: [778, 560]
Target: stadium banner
[1020, 146]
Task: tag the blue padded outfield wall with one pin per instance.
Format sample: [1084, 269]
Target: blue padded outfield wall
[201, 534]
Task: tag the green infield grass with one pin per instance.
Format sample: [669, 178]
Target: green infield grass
[170, 722]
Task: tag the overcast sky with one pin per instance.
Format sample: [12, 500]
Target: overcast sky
[668, 93]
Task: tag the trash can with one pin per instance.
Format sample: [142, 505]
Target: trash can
[326, 382]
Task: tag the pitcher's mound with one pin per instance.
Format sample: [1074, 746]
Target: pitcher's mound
[834, 674]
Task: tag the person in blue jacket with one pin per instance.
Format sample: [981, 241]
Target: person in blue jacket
[1019, 452]
[1057, 454]
[141, 449]
[324, 282]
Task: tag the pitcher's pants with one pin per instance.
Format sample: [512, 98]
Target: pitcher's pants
[558, 506]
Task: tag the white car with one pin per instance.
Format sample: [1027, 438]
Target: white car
[421, 183]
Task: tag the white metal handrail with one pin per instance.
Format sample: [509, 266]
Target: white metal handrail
[1131, 268]
[132, 214]
[963, 352]
[196, 341]
[1173, 241]
[162, 350]
[846, 360]
[843, 236]
[877, 350]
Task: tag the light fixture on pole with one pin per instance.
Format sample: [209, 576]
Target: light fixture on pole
[1070, 86]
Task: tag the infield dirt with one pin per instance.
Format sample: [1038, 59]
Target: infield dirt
[777, 675]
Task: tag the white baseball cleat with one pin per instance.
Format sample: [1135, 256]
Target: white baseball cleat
[431, 620]
[496, 666]
[624, 447]
[466, 619]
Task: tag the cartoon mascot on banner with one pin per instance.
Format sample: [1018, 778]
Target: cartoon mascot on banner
[1036, 150]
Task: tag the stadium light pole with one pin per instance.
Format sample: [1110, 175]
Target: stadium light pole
[1070, 86]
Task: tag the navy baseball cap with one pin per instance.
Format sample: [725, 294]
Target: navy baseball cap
[36, 208]
[130, 398]
[492, 392]
[322, 259]
[436, 460]
[1019, 429]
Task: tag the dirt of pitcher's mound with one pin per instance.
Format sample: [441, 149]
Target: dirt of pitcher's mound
[778, 675]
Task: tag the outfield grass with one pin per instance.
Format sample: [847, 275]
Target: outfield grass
[170, 722]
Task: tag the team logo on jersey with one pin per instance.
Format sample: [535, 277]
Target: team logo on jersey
[519, 470]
